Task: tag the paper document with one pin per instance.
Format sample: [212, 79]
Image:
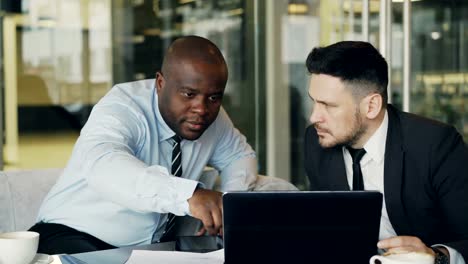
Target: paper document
[175, 257]
[56, 260]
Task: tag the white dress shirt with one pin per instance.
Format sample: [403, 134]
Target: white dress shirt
[372, 167]
[117, 186]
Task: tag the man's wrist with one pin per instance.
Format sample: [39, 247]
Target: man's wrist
[441, 255]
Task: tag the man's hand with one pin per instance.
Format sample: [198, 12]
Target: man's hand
[207, 206]
[404, 244]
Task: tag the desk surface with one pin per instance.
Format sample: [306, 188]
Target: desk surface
[112, 256]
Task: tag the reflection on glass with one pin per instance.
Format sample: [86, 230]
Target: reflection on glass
[155, 24]
[439, 61]
[63, 62]
[321, 24]
[71, 52]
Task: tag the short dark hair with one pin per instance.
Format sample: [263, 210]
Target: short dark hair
[356, 63]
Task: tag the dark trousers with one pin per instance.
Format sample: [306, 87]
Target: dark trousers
[61, 239]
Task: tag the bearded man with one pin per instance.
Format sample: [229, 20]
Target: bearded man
[357, 141]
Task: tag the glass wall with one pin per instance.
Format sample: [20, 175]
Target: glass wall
[305, 25]
[60, 57]
[439, 60]
[57, 64]
[438, 72]
[146, 28]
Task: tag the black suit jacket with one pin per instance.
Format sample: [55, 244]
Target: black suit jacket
[425, 178]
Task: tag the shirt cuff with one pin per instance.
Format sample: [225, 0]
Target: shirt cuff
[186, 189]
[455, 256]
[166, 192]
[186, 206]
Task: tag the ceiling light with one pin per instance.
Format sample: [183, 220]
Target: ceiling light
[401, 1]
[182, 2]
[294, 8]
[435, 35]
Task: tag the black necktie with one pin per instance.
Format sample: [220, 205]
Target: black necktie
[357, 154]
[176, 170]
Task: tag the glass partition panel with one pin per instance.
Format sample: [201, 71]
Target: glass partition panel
[150, 26]
[305, 25]
[440, 62]
[57, 59]
[61, 57]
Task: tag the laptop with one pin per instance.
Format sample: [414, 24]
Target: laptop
[301, 227]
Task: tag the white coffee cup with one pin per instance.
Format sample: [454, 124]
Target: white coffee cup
[404, 258]
[18, 247]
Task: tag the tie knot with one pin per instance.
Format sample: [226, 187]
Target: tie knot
[356, 154]
[176, 139]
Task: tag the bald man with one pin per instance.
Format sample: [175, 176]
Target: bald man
[139, 157]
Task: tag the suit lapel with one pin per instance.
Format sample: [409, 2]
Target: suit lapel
[394, 174]
[334, 169]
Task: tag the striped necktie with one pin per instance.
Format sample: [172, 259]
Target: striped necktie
[176, 170]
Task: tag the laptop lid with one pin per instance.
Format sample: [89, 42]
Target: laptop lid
[301, 227]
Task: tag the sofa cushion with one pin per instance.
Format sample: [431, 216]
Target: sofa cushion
[21, 195]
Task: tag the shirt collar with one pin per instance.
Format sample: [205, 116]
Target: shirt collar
[165, 132]
[375, 146]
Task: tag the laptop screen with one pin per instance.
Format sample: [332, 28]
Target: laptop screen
[301, 227]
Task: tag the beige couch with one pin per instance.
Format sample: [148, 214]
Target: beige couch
[22, 192]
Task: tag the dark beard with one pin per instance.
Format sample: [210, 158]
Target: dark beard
[356, 134]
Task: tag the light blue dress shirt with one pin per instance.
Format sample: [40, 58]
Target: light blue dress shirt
[117, 186]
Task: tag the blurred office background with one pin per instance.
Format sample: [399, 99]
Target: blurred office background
[59, 57]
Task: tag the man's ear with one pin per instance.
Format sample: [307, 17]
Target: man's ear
[372, 105]
[160, 82]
